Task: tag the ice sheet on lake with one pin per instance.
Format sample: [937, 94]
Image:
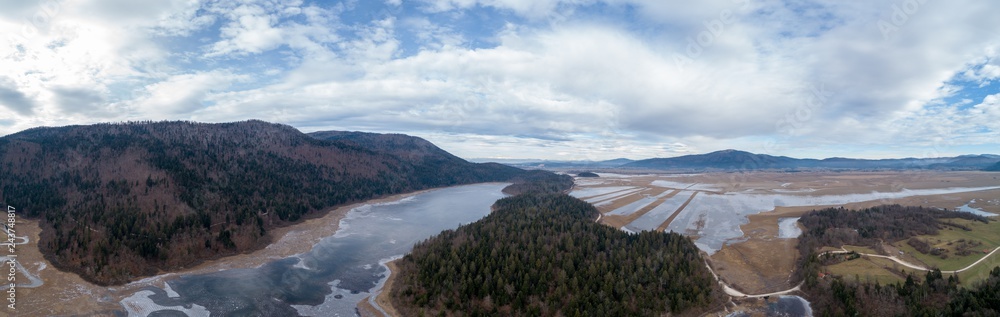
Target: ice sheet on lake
[789, 228]
[594, 191]
[723, 214]
[170, 291]
[338, 301]
[973, 210]
[639, 204]
[613, 175]
[652, 219]
[691, 186]
[790, 191]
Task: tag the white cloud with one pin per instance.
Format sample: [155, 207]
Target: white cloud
[181, 95]
[13, 99]
[250, 30]
[557, 76]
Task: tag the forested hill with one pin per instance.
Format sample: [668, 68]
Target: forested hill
[430, 164]
[119, 201]
[994, 168]
[542, 254]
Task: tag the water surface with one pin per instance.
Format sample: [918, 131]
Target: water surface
[789, 228]
[338, 272]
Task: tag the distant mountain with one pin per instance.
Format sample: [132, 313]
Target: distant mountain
[994, 168]
[740, 160]
[119, 201]
[969, 162]
[726, 160]
[613, 163]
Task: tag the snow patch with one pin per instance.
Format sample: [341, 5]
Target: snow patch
[789, 228]
[139, 304]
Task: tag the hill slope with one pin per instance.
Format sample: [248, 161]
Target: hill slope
[118, 201]
[430, 164]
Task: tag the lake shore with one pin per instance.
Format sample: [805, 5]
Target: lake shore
[383, 299]
[289, 241]
[73, 293]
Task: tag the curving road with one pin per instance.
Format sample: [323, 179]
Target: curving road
[736, 293]
[915, 266]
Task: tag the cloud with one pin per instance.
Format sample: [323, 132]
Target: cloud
[167, 17]
[253, 28]
[13, 99]
[80, 100]
[181, 95]
[250, 30]
[608, 78]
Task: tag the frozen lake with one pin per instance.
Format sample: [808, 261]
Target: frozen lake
[337, 273]
[786, 305]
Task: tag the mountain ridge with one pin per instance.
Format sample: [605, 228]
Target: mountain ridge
[729, 160]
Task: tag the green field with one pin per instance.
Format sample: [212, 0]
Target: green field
[860, 249]
[866, 269]
[988, 234]
[980, 271]
[876, 269]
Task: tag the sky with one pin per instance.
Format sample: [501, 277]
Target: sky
[515, 79]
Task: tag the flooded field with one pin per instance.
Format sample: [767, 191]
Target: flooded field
[715, 214]
[655, 217]
[743, 221]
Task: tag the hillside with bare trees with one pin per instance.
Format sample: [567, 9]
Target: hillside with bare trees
[121, 201]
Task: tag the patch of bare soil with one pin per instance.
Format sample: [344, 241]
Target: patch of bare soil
[384, 299]
[763, 263]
